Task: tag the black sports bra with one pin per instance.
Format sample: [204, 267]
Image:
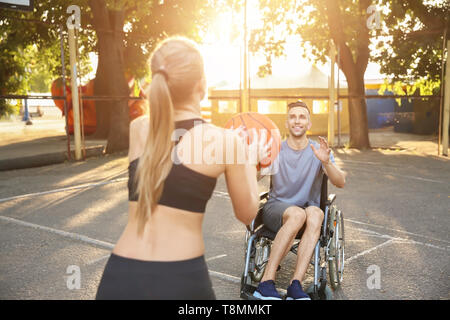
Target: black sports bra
[184, 188]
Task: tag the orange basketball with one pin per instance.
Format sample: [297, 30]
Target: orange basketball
[254, 120]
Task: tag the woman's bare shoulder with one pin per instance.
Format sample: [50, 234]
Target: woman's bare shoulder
[139, 123]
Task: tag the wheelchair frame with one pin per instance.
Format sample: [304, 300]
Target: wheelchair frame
[331, 241]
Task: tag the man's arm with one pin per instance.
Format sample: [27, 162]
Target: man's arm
[335, 175]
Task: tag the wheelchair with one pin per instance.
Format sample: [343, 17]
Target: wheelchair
[328, 252]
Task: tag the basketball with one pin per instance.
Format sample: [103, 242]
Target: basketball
[254, 120]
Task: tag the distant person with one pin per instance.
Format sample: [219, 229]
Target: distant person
[294, 200]
[160, 254]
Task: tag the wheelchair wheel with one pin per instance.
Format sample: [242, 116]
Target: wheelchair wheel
[262, 252]
[327, 295]
[337, 246]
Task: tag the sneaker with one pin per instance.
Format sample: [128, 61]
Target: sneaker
[266, 291]
[295, 292]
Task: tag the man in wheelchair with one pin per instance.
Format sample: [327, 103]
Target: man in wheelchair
[293, 207]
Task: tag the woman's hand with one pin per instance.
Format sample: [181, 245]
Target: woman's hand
[257, 145]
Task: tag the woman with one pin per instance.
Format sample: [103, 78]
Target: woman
[160, 254]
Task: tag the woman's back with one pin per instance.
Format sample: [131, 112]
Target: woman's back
[173, 233]
[160, 254]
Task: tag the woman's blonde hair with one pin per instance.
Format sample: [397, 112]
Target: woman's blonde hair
[176, 66]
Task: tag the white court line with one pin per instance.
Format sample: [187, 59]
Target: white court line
[362, 162]
[397, 230]
[225, 276]
[97, 260]
[217, 193]
[403, 176]
[398, 240]
[216, 257]
[217, 274]
[71, 235]
[82, 186]
[221, 194]
[407, 241]
[105, 245]
[357, 240]
[225, 195]
[368, 251]
[371, 233]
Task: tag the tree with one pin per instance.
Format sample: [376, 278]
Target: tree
[121, 53]
[413, 54]
[123, 33]
[415, 49]
[30, 49]
[318, 22]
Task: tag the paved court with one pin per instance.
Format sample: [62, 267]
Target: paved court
[66, 217]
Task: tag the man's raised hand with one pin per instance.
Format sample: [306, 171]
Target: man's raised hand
[323, 153]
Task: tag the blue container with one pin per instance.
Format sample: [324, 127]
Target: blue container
[380, 112]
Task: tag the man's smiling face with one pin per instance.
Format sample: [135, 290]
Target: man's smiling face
[298, 121]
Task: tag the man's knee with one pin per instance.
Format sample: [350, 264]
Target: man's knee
[295, 217]
[314, 217]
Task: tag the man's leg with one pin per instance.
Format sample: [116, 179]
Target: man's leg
[293, 219]
[314, 219]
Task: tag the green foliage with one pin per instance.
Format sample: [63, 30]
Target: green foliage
[308, 20]
[30, 51]
[421, 87]
[414, 49]
[412, 55]
[150, 22]
[401, 56]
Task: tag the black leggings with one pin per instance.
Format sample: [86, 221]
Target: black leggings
[125, 278]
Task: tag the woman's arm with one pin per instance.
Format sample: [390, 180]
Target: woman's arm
[241, 183]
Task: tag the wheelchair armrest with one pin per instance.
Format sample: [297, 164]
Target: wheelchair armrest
[263, 195]
[330, 199]
[326, 208]
[258, 220]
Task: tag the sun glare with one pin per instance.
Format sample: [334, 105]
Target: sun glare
[223, 44]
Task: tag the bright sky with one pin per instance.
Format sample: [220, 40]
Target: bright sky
[223, 50]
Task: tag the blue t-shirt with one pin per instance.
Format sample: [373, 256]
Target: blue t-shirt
[297, 176]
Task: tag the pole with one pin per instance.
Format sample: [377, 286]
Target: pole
[26, 113]
[332, 97]
[244, 97]
[446, 103]
[240, 80]
[444, 38]
[80, 93]
[75, 98]
[337, 99]
[63, 68]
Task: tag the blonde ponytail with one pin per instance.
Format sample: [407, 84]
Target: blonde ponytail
[155, 162]
[176, 66]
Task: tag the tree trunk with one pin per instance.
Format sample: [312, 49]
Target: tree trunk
[112, 115]
[118, 137]
[353, 69]
[357, 108]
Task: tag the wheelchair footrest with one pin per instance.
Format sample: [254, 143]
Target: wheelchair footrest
[247, 292]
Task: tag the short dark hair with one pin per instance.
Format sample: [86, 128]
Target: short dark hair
[298, 103]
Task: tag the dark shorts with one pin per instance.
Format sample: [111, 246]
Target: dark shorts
[272, 214]
[125, 279]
